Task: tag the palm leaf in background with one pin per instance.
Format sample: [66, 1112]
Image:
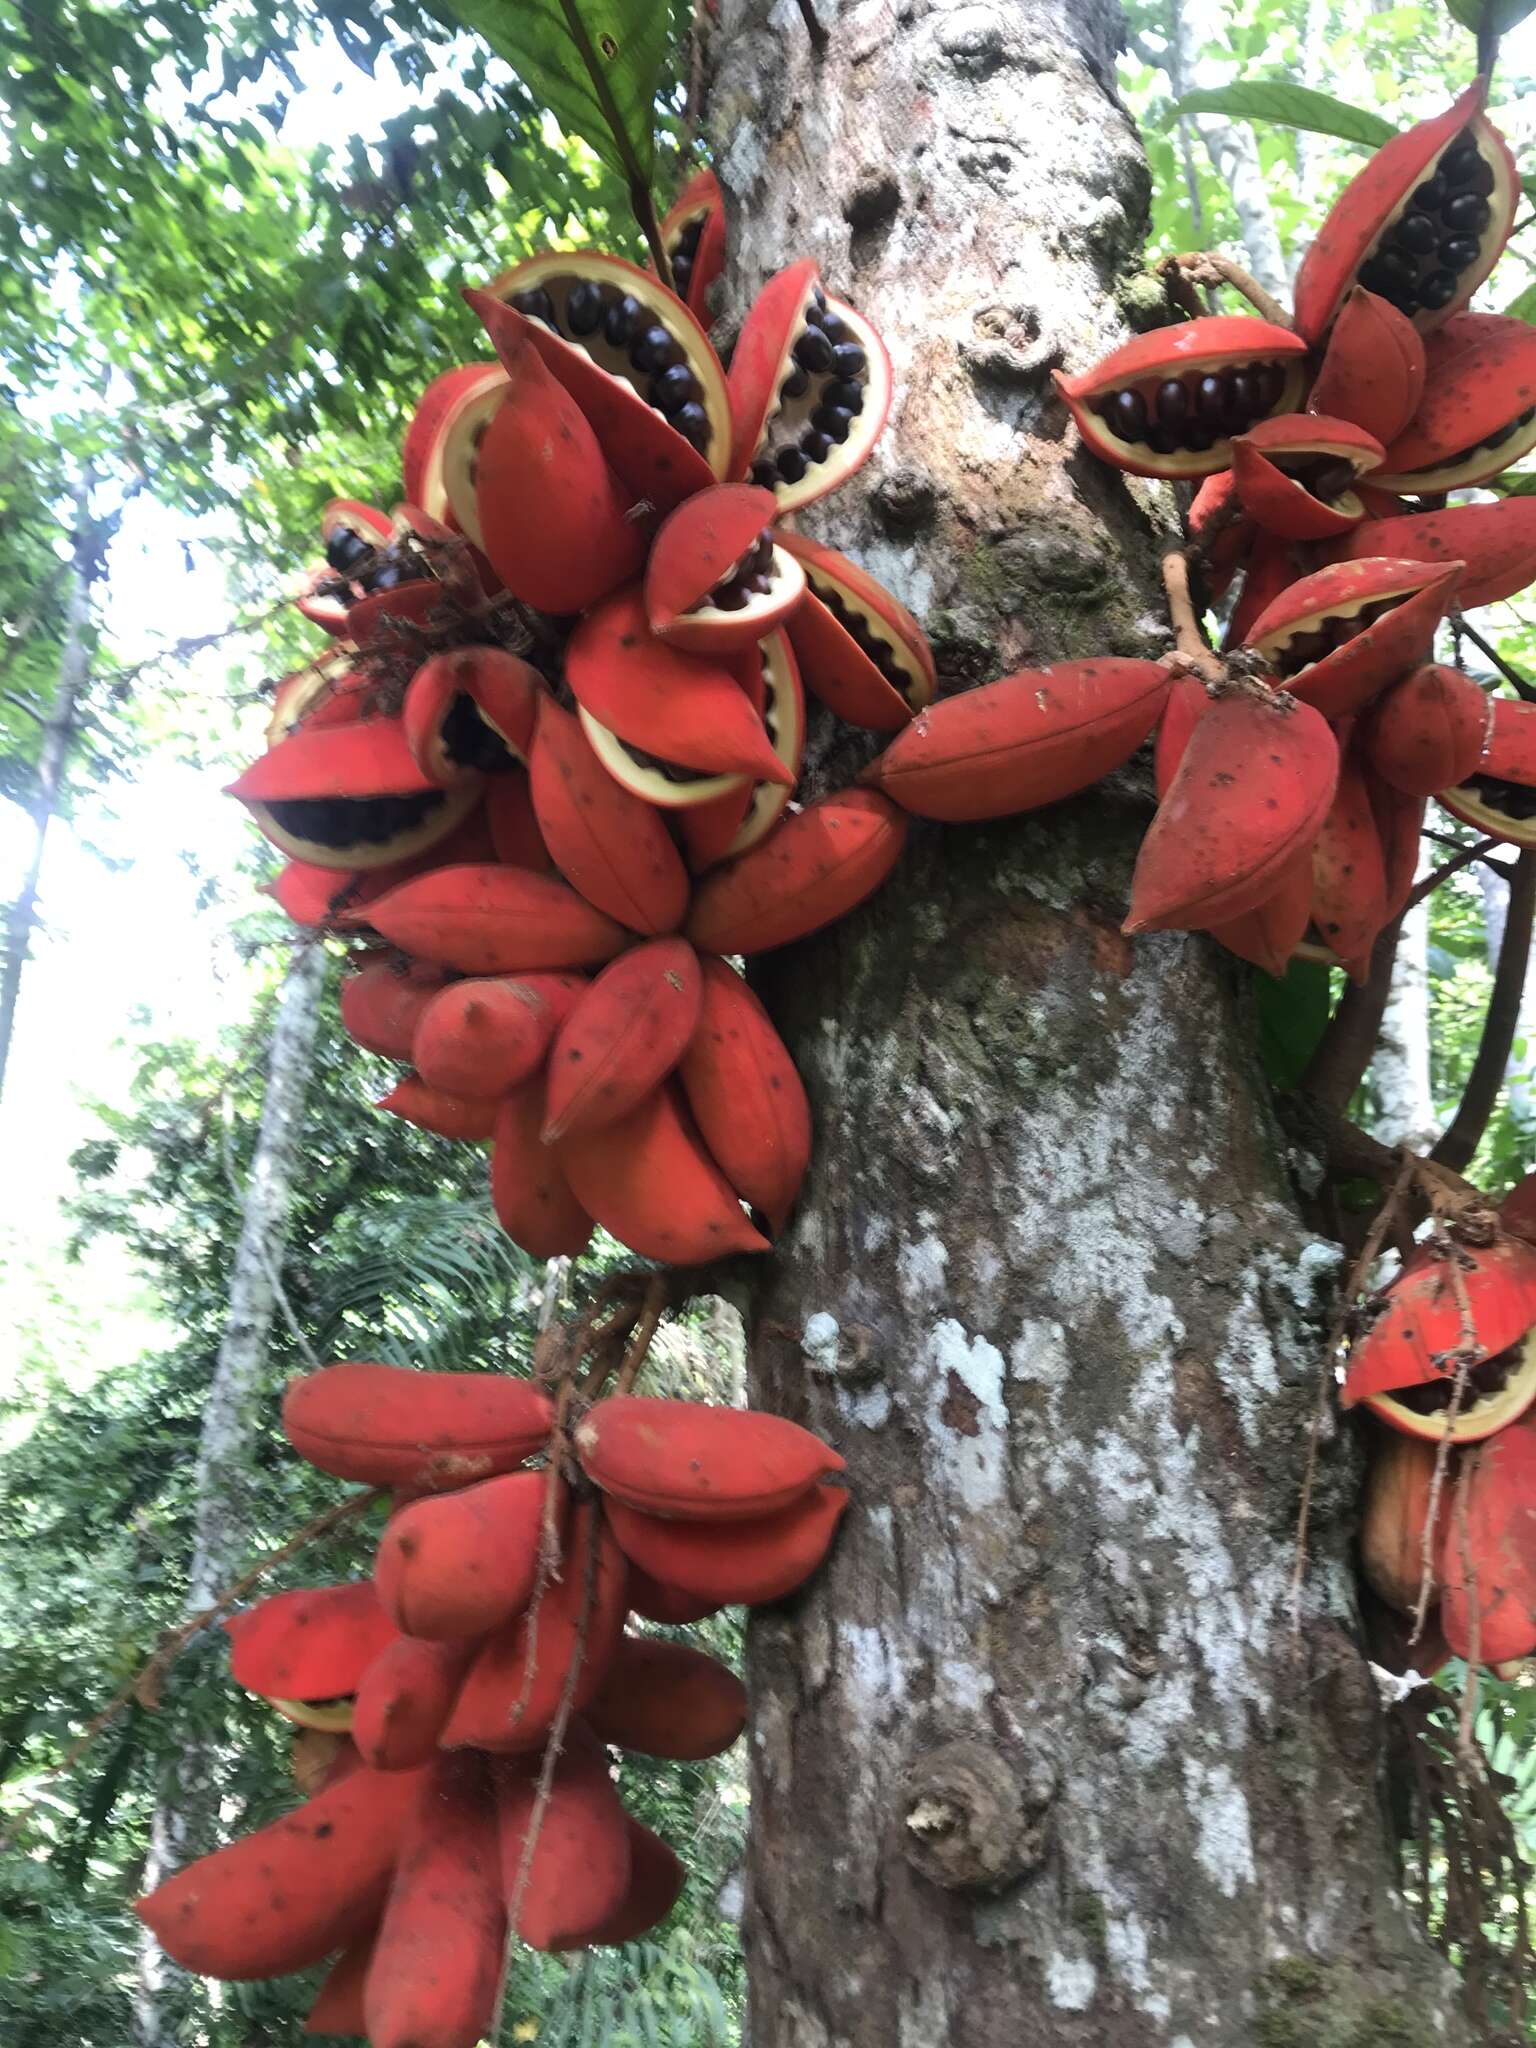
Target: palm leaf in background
[419, 1275]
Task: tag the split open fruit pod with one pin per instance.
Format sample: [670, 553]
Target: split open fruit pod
[860, 650]
[1168, 403]
[1500, 797]
[1338, 637]
[1296, 474]
[1478, 412]
[305, 1652]
[715, 581]
[1404, 1368]
[693, 235]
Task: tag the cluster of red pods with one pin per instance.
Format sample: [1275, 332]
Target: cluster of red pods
[468, 1699]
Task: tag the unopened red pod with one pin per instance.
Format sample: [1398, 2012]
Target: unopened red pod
[655, 1884]
[1186, 704]
[693, 235]
[728, 1564]
[607, 842]
[1030, 739]
[294, 1891]
[437, 1962]
[1496, 544]
[574, 1875]
[714, 580]
[484, 1036]
[458, 1564]
[733, 824]
[1270, 933]
[621, 1040]
[383, 1002]
[389, 1426]
[1373, 369]
[746, 1096]
[812, 869]
[1487, 1558]
[1399, 1478]
[1250, 793]
[465, 1117]
[1167, 403]
[514, 830]
[1478, 414]
[1427, 733]
[860, 651]
[471, 707]
[307, 1651]
[520, 1673]
[1422, 223]
[1340, 636]
[495, 920]
[666, 1604]
[651, 1184]
[1404, 1367]
[665, 1699]
[404, 1701]
[1499, 796]
[1400, 822]
[338, 2006]
[1295, 474]
[1349, 879]
[699, 1463]
[531, 1192]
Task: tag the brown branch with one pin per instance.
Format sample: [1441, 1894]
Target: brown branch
[1463, 859]
[1188, 638]
[1345, 1049]
[1466, 1742]
[1462, 1136]
[1210, 267]
[1512, 676]
[814, 27]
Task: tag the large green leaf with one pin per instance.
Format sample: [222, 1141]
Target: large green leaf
[1293, 1014]
[1291, 106]
[1498, 15]
[596, 64]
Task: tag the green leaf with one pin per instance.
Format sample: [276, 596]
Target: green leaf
[1499, 15]
[1523, 308]
[1292, 106]
[1293, 1014]
[596, 64]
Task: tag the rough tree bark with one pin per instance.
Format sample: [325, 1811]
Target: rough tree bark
[1405, 1103]
[1038, 1759]
[185, 1817]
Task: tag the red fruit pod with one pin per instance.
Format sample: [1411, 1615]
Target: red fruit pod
[1267, 572]
[860, 651]
[1497, 797]
[404, 1701]
[1349, 881]
[698, 1463]
[386, 1425]
[294, 1891]
[1404, 1367]
[648, 1180]
[746, 1096]
[1186, 704]
[1399, 1478]
[307, 1651]
[481, 1037]
[810, 387]
[1437, 171]
[495, 920]
[1165, 403]
[1223, 531]
[328, 600]
[458, 1564]
[1496, 545]
[1400, 824]
[662, 456]
[728, 1564]
[812, 869]
[1373, 368]
[656, 1881]
[665, 1699]
[1478, 414]
[470, 1118]
[1250, 793]
[1337, 638]
[577, 1873]
[1294, 474]
[552, 517]
[515, 835]
[1487, 1558]
[609, 844]
[440, 442]
[534, 1201]
[503, 1705]
[669, 1605]
[469, 709]
[1269, 934]
[693, 235]
[714, 581]
[338, 2006]
[734, 823]
[686, 709]
[1428, 732]
[383, 1003]
[1031, 738]
[625, 1035]
[437, 1962]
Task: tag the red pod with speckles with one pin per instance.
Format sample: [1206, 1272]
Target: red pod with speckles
[386, 1425]
[1478, 414]
[1499, 796]
[404, 1701]
[1223, 531]
[1167, 403]
[1373, 369]
[1269, 934]
[746, 1096]
[650, 1182]
[1399, 1476]
[693, 235]
[714, 580]
[576, 1873]
[665, 1699]
[383, 1003]
[627, 1033]
[1295, 474]
[307, 1651]
[483, 1036]
[812, 869]
[1349, 880]
[1338, 637]
[532, 1195]
[458, 1564]
[495, 920]
[699, 1463]
[860, 651]
[338, 2006]
[1250, 793]
[468, 1118]
[1400, 823]
[1487, 1559]
[1029, 739]
[1186, 704]
[727, 1564]
[1428, 732]
[608, 843]
[1267, 571]
[1495, 544]
[470, 708]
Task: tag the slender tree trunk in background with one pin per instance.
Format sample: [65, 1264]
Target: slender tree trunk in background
[1234, 151]
[1522, 1058]
[185, 1820]
[74, 672]
[1405, 1105]
[1037, 1760]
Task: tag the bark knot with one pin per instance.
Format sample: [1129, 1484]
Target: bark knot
[968, 1823]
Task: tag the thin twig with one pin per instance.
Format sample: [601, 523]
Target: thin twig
[1210, 267]
[1512, 676]
[1481, 1092]
[1466, 1742]
[1443, 873]
[645, 1330]
[1188, 638]
[814, 26]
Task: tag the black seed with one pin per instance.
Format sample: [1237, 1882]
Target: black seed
[814, 314]
[470, 741]
[1247, 398]
[834, 329]
[764, 473]
[655, 350]
[1418, 232]
[1438, 289]
[849, 360]
[791, 464]
[692, 422]
[674, 387]
[682, 275]
[692, 235]
[1198, 439]
[816, 445]
[1128, 415]
[831, 419]
[1459, 251]
[1172, 403]
[1378, 277]
[1459, 161]
[729, 597]
[761, 584]
[619, 321]
[344, 547]
[819, 298]
[762, 555]
[1430, 196]
[537, 304]
[1272, 382]
[849, 396]
[1468, 213]
[1211, 400]
[795, 385]
[1527, 416]
[1162, 440]
[389, 576]
[1514, 799]
[813, 351]
[584, 307]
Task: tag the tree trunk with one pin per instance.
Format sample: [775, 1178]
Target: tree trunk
[1038, 1759]
[185, 1820]
[1522, 1058]
[1405, 1103]
[1233, 148]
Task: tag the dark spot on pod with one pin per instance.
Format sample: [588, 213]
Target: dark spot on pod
[1211, 401]
[813, 351]
[815, 445]
[344, 548]
[619, 321]
[692, 422]
[1172, 403]
[1430, 196]
[1468, 213]
[791, 465]
[655, 350]
[849, 360]
[764, 473]
[537, 304]
[584, 307]
[849, 396]
[1128, 415]
[1418, 232]
[831, 419]
[1459, 251]
[1438, 289]
[673, 387]
[795, 385]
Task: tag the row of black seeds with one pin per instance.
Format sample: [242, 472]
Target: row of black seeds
[1491, 1377]
[1333, 632]
[1496, 440]
[658, 361]
[825, 347]
[1327, 477]
[341, 821]
[857, 626]
[1418, 262]
[1510, 799]
[751, 577]
[468, 740]
[363, 562]
[1194, 411]
[684, 254]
